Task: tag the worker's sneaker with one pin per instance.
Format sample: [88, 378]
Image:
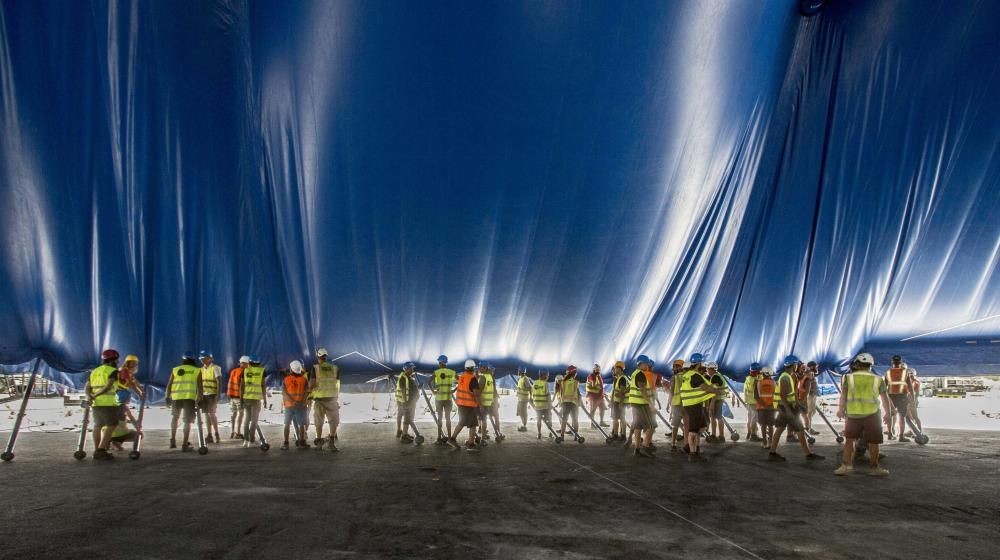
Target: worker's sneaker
[240, 436]
[903, 439]
[187, 447]
[208, 439]
[812, 432]
[319, 442]
[303, 445]
[843, 470]
[878, 471]
[173, 444]
[814, 457]
[246, 444]
[539, 435]
[284, 446]
[333, 447]
[775, 458]
[218, 439]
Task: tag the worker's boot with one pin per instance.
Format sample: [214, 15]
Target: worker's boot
[173, 444]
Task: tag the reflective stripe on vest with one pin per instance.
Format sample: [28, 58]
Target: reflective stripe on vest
[634, 391]
[675, 388]
[570, 391]
[233, 389]
[540, 394]
[791, 385]
[748, 386]
[765, 393]
[463, 391]
[721, 385]
[295, 391]
[98, 380]
[253, 378]
[691, 395]
[327, 381]
[209, 382]
[616, 390]
[523, 389]
[595, 384]
[185, 384]
[862, 394]
[896, 379]
[402, 388]
[488, 391]
[444, 380]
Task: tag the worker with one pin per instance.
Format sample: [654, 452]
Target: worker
[763, 393]
[523, 396]
[914, 397]
[542, 400]
[444, 387]
[467, 401]
[619, 396]
[127, 383]
[100, 390]
[675, 408]
[324, 389]
[808, 392]
[211, 380]
[233, 393]
[183, 393]
[859, 403]
[714, 407]
[899, 392]
[253, 397]
[406, 400]
[789, 415]
[749, 397]
[640, 400]
[595, 393]
[569, 399]
[294, 389]
[487, 398]
[697, 392]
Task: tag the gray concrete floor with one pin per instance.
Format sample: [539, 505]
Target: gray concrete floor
[523, 498]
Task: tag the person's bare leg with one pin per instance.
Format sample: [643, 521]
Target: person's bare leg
[776, 439]
[187, 432]
[849, 452]
[173, 427]
[873, 452]
[286, 433]
[803, 443]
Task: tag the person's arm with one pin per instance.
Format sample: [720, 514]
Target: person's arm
[170, 384]
[886, 403]
[263, 390]
[199, 389]
[313, 378]
[243, 379]
[842, 408]
[786, 389]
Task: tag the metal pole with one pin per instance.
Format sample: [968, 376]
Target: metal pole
[8, 453]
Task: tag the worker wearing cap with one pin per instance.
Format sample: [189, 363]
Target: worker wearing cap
[523, 396]
[324, 389]
[443, 385]
[763, 393]
[808, 393]
[124, 386]
[595, 392]
[211, 381]
[899, 386]
[619, 397]
[914, 397]
[789, 414]
[696, 393]
[714, 406]
[233, 393]
[750, 398]
[406, 401]
[294, 389]
[253, 397]
[860, 395]
[184, 390]
[541, 400]
[100, 390]
[640, 400]
[467, 401]
[569, 398]
[488, 402]
[674, 407]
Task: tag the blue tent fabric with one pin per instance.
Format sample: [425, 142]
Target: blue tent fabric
[530, 183]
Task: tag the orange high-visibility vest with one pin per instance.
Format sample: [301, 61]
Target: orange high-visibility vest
[765, 392]
[895, 378]
[233, 390]
[463, 392]
[295, 391]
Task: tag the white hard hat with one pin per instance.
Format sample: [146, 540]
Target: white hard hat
[296, 366]
[320, 352]
[865, 358]
[559, 378]
[470, 364]
[712, 365]
[244, 359]
[767, 370]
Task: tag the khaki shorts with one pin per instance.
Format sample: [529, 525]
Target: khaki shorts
[869, 426]
[234, 404]
[790, 416]
[209, 403]
[326, 409]
[186, 406]
[522, 408]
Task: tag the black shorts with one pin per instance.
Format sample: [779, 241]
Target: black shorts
[789, 415]
[868, 427]
[186, 406]
[642, 417]
[901, 402]
[105, 415]
[765, 416]
[617, 411]
[468, 416]
[715, 409]
[696, 420]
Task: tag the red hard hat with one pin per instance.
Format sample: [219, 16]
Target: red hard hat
[571, 368]
[109, 354]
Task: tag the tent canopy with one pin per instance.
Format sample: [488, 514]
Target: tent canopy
[526, 182]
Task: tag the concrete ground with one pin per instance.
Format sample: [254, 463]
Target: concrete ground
[523, 498]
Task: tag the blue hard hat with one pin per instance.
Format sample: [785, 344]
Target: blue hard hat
[442, 359]
[522, 369]
[408, 365]
[254, 359]
[652, 364]
[205, 354]
[755, 366]
[696, 358]
[791, 360]
[485, 365]
[189, 355]
[643, 359]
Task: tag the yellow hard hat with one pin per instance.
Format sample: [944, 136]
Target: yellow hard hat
[620, 364]
[132, 358]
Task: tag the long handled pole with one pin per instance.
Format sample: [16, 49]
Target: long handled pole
[8, 453]
[135, 454]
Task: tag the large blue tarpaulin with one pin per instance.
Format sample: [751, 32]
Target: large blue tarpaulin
[525, 182]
